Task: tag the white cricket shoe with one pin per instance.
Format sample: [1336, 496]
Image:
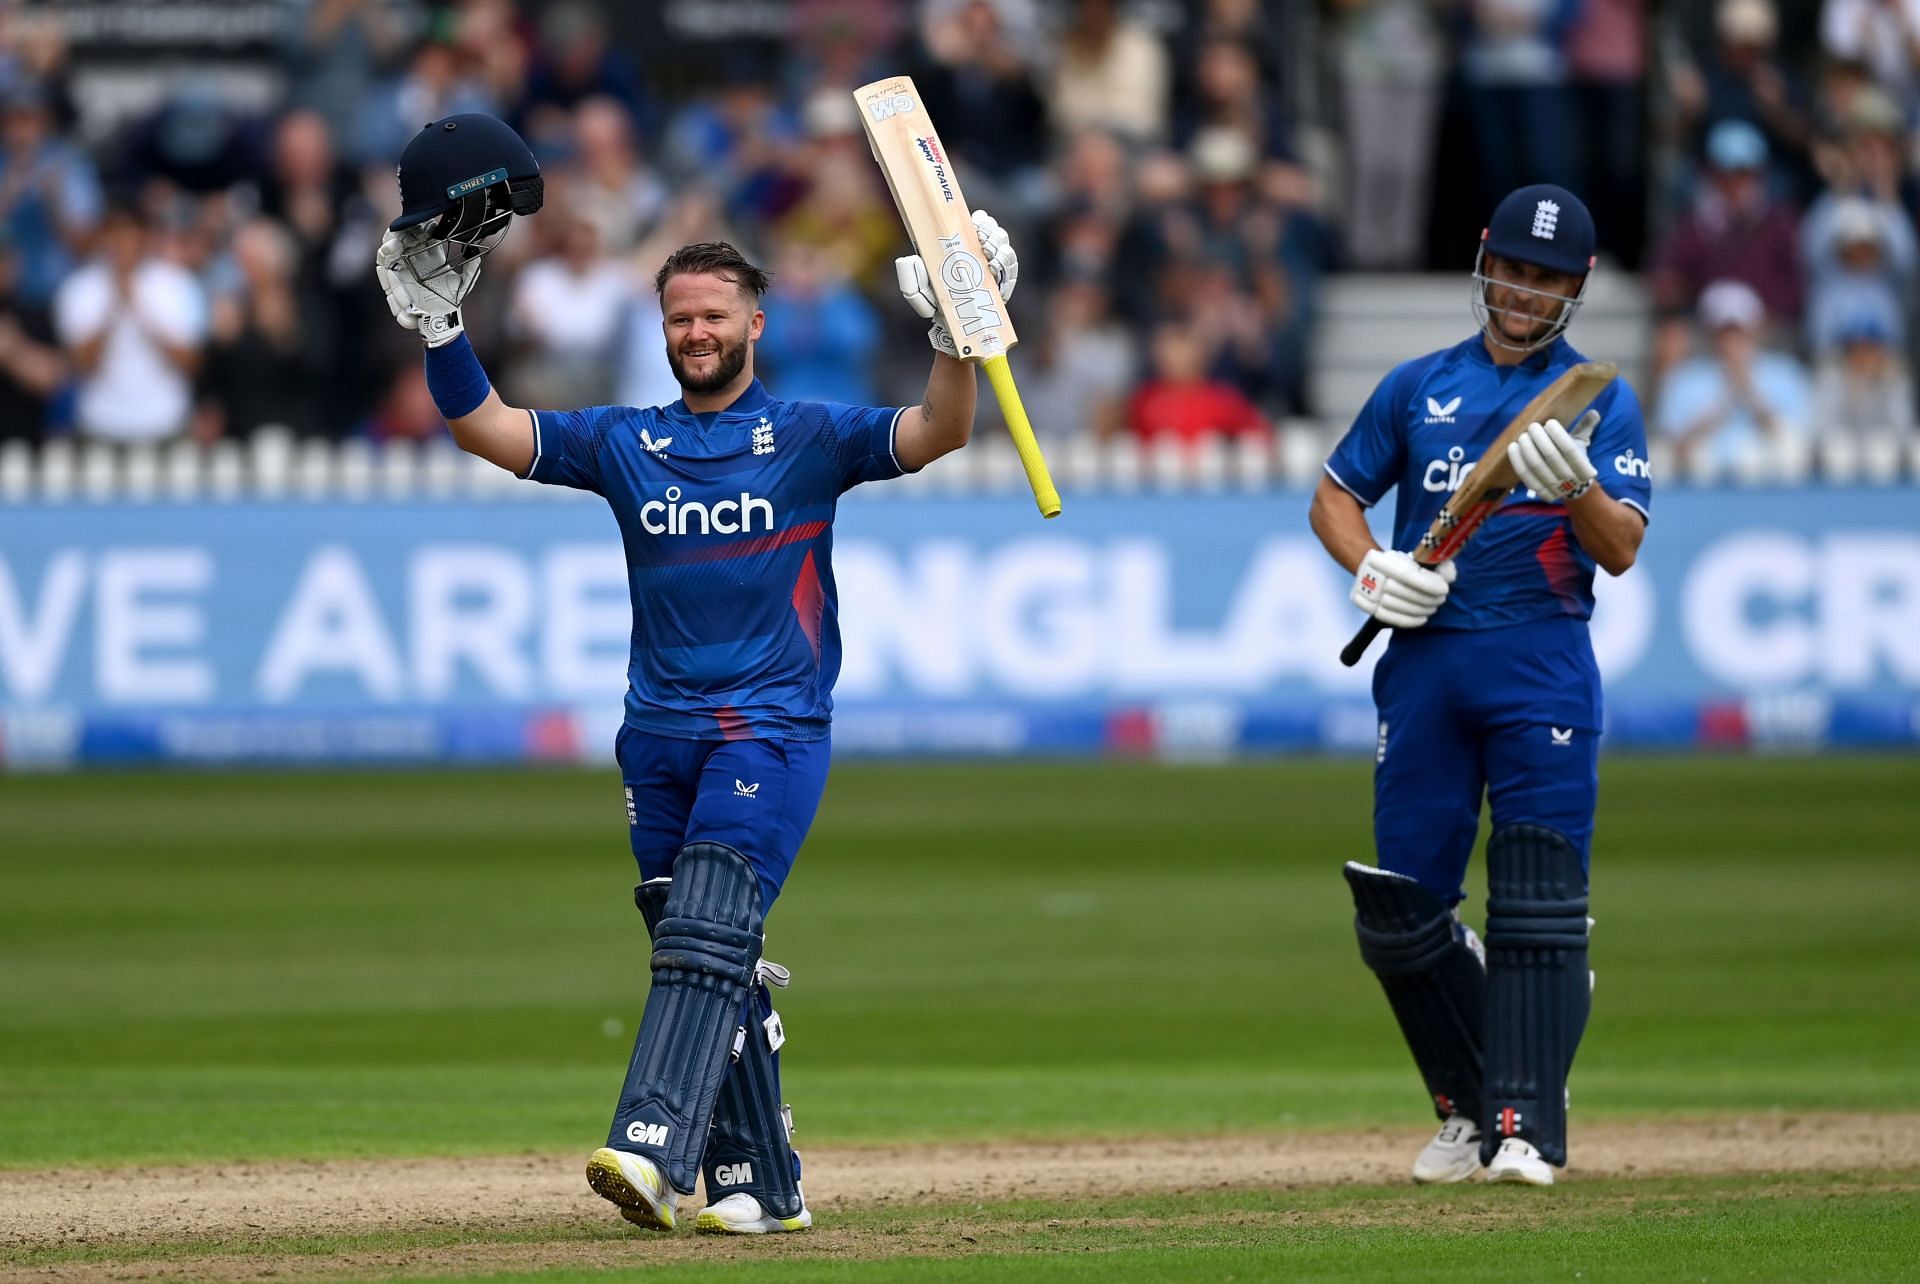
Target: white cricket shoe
[1518, 1161]
[636, 1184]
[1452, 1155]
[742, 1214]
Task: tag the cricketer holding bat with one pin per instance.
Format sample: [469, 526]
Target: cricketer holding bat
[725, 501]
[1489, 686]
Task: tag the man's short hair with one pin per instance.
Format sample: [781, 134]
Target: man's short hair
[718, 258]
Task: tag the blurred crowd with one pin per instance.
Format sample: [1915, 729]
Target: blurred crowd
[1180, 179]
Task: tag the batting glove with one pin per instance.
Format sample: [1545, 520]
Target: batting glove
[430, 310]
[1552, 461]
[1398, 591]
[910, 273]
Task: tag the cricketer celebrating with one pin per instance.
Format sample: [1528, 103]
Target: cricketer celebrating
[1489, 685]
[725, 501]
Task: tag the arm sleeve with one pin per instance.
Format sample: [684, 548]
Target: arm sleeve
[1373, 454]
[566, 447]
[1619, 449]
[860, 441]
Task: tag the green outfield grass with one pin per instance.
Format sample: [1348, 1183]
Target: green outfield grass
[256, 965]
[1807, 1226]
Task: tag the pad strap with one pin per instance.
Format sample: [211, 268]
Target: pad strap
[1538, 986]
[706, 948]
[1434, 981]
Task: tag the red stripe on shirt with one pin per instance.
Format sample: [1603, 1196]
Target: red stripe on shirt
[748, 547]
[809, 603]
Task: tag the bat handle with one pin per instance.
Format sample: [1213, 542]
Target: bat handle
[1351, 653]
[1000, 375]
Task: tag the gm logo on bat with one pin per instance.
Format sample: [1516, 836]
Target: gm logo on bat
[977, 307]
[881, 107]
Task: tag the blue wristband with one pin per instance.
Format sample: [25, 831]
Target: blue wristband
[455, 378]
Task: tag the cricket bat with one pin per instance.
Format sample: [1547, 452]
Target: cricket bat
[940, 224]
[1492, 478]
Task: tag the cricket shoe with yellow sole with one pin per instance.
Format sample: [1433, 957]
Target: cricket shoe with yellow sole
[1517, 1161]
[1452, 1155]
[636, 1184]
[742, 1214]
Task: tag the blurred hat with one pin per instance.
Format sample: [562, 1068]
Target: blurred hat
[830, 113]
[1746, 22]
[1873, 111]
[1736, 145]
[1222, 154]
[1544, 225]
[1731, 303]
[1855, 222]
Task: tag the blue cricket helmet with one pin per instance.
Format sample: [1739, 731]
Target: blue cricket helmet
[1544, 225]
[450, 161]
[462, 179]
[1547, 227]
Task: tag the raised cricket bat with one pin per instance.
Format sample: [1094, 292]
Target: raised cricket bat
[1492, 478]
[940, 224]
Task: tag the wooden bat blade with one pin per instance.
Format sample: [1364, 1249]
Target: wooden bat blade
[1492, 478]
[926, 190]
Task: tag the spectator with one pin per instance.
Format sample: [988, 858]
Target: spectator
[975, 79]
[820, 331]
[612, 187]
[1607, 51]
[267, 362]
[1227, 93]
[194, 141]
[1862, 262]
[1869, 166]
[1518, 95]
[49, 193]
[434, 84]
[1179, 403]
[1111, 73]
[404, 410]
[841, 211]
[1077, 370]
[133, 326]
[1744, 79]
[333, 50]
[1734, 231]
[32, 368]
[741, 139]
[565, 314]
[1863, 390]
[1742, 408]
[575, 62]
[1392, 67]
[1882, 34]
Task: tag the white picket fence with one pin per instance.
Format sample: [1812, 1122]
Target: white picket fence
[274, 465]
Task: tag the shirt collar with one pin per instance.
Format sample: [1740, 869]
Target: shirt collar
[1542, 360]
[751, 400]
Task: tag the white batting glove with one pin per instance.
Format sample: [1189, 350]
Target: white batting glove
[425, 309]
[1396, 590]
[910, 273]
[1552, 461]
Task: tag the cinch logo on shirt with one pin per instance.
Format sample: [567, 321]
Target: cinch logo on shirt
[1628, 465]
[728, 517]
[1443, 476]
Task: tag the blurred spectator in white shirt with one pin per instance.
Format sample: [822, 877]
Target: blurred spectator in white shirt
[1739, 408]
[1863, 389]
[1883, 34]
[1081, 369]
[1111, 73]
[566, 314]
[1392, 69]
[133, 325]
[1860, 258]
[612, 187]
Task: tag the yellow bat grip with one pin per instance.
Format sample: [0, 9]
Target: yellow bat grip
[1004, 391]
